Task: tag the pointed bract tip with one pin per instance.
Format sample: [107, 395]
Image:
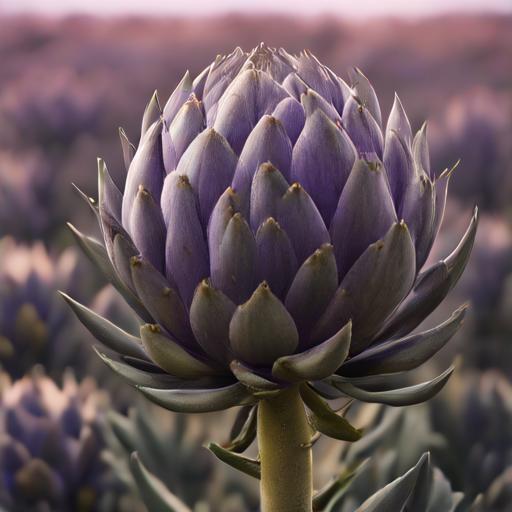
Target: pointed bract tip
[183, 181]
[187, 81]
[323, 250]
[373, 165]
[143, 191]
[155, 328]
[398, 101]
[273, 121]
[263, 286]
[238, 217]
[402, 225]
[267, 167]
[64, 295]
[270, 221]
[205, 287]
[135, 261]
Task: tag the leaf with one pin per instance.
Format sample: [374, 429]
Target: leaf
[431, 287]
[394, 496]
[244, 438]
[97, 254]
[105, 331]
[123, 429]
[136, 376]
[328, 496]
[251, 379]
[199, 400]
[246, 465]
[405, 353]
[154, 493]
[397, 397]
[325, 420]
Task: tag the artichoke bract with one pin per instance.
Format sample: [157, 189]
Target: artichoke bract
[272, 231]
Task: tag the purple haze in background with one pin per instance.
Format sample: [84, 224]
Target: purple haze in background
[361, 9]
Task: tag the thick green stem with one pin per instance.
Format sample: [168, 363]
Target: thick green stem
[284, 439]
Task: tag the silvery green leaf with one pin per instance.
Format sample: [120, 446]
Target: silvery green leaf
[405, 353]
[398, 397]
[136, 376]
[246, 465]
[394, 496]
[199, 400]
[242, 439]
[154, 493]
[250, 378]
[105, 331]
[325, 420]
[97, 253]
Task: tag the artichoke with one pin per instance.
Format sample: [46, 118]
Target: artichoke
[50, 446]
[475, 416]
[29, 207]
[270, 231]
[34, 327]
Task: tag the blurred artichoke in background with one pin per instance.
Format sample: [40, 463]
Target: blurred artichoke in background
[475, 416]
[484, 341]
[29, 206]
[269, 229]
[35, 328]
[53, 116]
[50, 447]
[498, 497]
[473, 128]
[171, 448]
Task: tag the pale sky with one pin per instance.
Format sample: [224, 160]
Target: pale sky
[349, 8]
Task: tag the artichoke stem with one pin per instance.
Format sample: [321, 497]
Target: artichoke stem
[284, 439]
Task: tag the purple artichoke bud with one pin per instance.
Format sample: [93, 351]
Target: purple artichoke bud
[271, 233]
[51, 445]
